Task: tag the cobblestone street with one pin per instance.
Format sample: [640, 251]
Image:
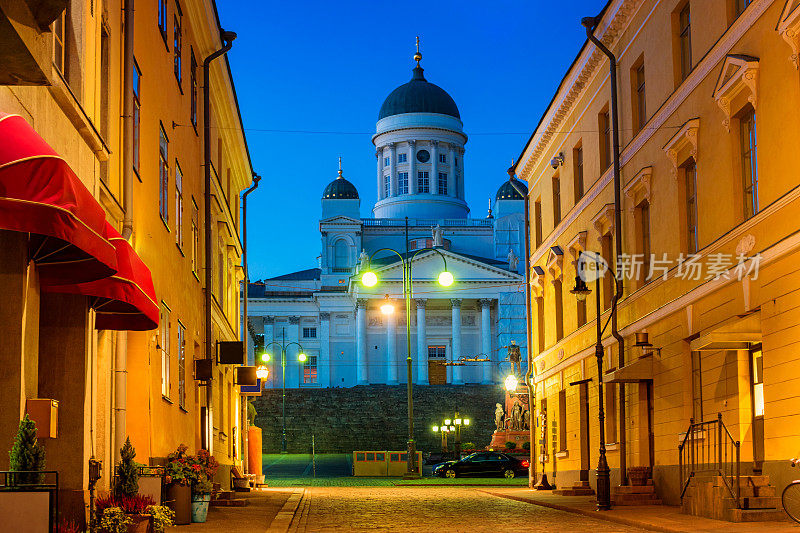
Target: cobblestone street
[431, 509]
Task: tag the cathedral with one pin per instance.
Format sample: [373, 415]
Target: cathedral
[352, 334]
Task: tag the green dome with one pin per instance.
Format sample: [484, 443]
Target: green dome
[418, 96]
[508, 192]
[340, 189]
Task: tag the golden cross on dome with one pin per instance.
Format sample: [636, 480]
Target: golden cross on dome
[340, 166]
[418, 55]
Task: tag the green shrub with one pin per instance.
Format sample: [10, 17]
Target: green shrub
[251, 414]
[114, 520]
[510, 445]
[26, 454]
[127, 474]
[526, 445]
[468, 446]
[161, 517]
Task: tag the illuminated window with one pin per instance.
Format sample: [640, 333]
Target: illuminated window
[685, 41]
[193, 88]
[162, 19]
[137, 112]
[164, 343]
[181, 365]
[163, 175]
[177, 44]
[178, 205]
[747, 136]
[310, 370]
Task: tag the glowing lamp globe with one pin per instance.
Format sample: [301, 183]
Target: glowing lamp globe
[369, 279]
[302, 357]
[511, 383]
[265, 357]
[262, 372]
[445, 279]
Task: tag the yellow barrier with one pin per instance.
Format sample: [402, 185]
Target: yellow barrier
[381, 463]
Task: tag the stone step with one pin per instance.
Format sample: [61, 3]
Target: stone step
[755, 515]
[758, 481]
[750, 491]
[761, 502]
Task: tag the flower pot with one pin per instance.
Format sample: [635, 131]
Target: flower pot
[200, 507]
[179, 499]
[638, 475]
[141, 523]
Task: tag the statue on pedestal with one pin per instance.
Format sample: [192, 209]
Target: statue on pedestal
[363, 259]
[515, 356]
[499, 417]
[513, 260]
[438, 236]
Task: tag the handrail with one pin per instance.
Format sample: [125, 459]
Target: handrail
[709, 447]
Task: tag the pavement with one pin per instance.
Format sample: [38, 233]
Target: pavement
[263, 508]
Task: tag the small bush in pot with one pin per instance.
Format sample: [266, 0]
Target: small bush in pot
[526, 445]
[511, 445]
[115, 520]
[26, 454]
[161, 516]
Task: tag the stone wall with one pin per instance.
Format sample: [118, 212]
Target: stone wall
[373, 417]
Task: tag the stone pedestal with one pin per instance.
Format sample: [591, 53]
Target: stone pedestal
[500, 438]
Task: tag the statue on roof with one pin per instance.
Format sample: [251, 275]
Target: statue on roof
[363, 259]
[438, 236]
[513, 260]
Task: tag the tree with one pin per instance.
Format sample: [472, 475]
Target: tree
[127, 473]
[26, 454]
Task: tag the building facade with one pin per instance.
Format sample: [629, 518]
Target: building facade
[339, 323]
[64, 72]
[709, 239]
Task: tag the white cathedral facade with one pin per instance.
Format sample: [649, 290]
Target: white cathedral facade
[347, 338]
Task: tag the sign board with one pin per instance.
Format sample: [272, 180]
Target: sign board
[251, 390]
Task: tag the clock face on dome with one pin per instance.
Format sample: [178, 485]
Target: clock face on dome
[423, 156]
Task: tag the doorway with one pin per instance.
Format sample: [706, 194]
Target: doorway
[583, 410]
[437, 371]
[757, 396]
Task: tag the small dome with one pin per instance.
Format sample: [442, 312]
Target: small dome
[508, 192]
[418, 96]
[340, 188]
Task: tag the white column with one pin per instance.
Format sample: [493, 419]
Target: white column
[274, 364]
[391, 348]
[324, 357]
[379, 157]
[361, 342]
[456, 345]
[293, 367]
[486, 339]
[463, 175]
[451, 173]
[422, 343]
[434, 167]
[393, 169]
[412, 167]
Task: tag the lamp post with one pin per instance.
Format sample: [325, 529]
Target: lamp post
[581, 291]
[370, 279]
[454, 426]
[265, 357]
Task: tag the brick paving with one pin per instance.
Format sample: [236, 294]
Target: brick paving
[263, 506]
[432, 509]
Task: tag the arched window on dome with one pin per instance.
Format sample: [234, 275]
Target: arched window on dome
[341, 256]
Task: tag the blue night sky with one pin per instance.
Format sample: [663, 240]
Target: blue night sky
[311, 77]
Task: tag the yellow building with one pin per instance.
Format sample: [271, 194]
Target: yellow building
[708, 141]
[63, 69]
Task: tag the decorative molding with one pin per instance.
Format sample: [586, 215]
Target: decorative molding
[455, 303]
[485, 303]
[324, 316]
[421, 302]
[639, 187]
[746, 243]
[537, 281]
[603, 221]
[789, 29]
[686, 138]
[555, 263]
[269, 320]
[361, 303]
[577, 245]
[739, 73]
[294, 320]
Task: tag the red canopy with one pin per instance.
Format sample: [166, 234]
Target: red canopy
[39, 194]
[126, 300]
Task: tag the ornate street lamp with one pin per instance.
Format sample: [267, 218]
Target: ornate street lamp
[370, 279]
[454, 426]
[265, 357]
[581, 291]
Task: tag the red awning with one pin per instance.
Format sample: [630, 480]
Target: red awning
[126, 300]
[40, 195]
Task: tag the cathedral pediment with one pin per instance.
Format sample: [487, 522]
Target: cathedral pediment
[428, 265]
[339, 219]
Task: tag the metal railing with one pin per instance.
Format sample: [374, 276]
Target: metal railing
[34, 481]
[708, 447]
[443, 222]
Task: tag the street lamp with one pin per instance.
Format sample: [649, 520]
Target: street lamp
[581, 291]
[370, 279]
[454, 426]
[511, 383]
[265, 357]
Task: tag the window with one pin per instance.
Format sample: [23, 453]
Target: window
[556, 201]
[164, 343]
[740, 6]
[443, 183]
[402, 158]
[178, 205]
[137, 112]
[423, 181]
[747, 136]
[310, 370]
[577, 172]
[59, 48]
[697, 387]
[690, 186]
[537, 209]
[559, 310]
[104, 100]
[562, 420]
[309, 333]
[162, 19]
[644, 232]
[163, 174]
[387, 179]
[540, 323]
[402, 182]
[181, 365]
[442, 158]
[341, 256]
[177, 42]
[386, 161]
[195, 238]
[638, 100]
[611, 412]
[604, 124]
[685, 41]
[758, 382]
[436, 352]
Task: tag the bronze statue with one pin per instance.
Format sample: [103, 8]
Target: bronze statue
[499, 416]
[515, 356]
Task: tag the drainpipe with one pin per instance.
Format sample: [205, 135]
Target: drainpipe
[245, 332]
[121, 351]
[227, 38]
[529, 373]
[590, 23]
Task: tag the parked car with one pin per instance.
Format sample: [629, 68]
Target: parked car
[483, 464]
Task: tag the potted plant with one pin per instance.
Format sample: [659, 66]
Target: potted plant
[125, 509]
[511, 445]
[179, 477]
[115, 520]
[204, 467]
[526, 445]
[26, 455]
[161, 516]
